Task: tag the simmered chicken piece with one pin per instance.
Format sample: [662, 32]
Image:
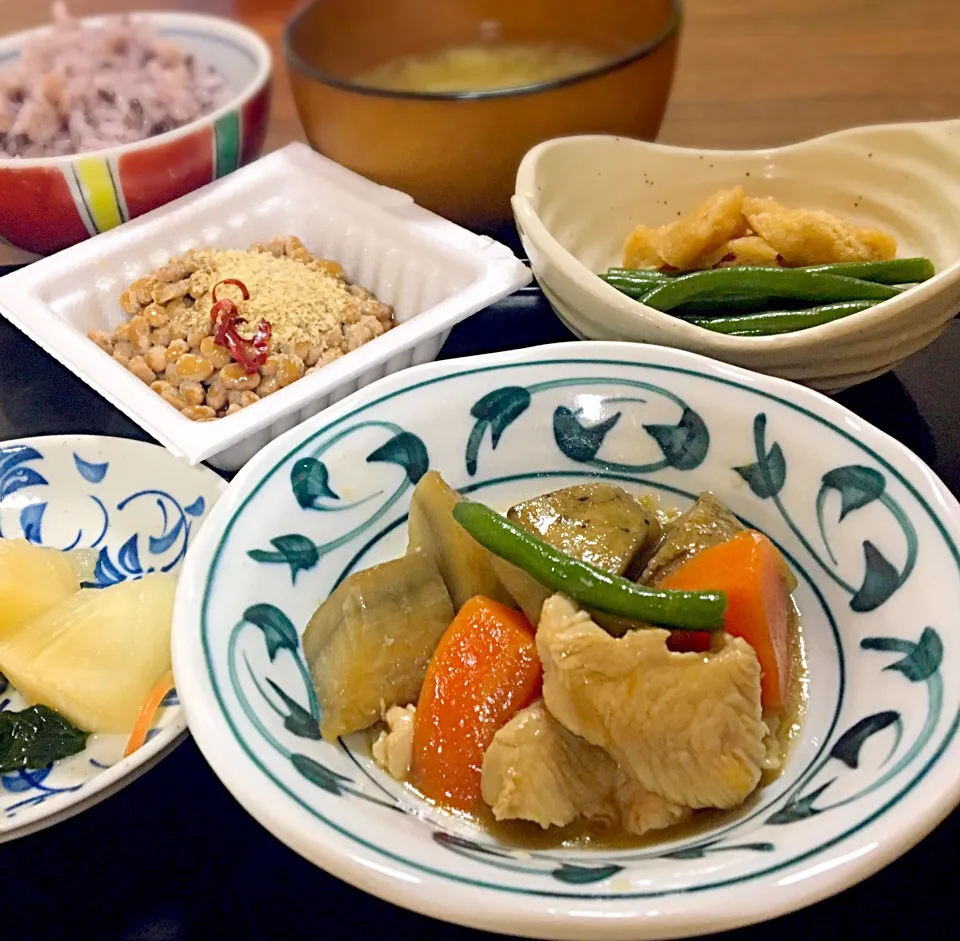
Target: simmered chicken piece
[688, 727]
[538, 771]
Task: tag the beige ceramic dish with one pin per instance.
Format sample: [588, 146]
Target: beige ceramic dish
[578, 197]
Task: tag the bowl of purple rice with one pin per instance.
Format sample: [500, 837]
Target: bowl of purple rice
[106, 118]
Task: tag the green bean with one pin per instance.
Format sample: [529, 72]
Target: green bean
[651, 274]
[788, 283]
[589, 586]
[773, 322]
[895, 271]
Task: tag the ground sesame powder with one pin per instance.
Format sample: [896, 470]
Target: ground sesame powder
[301, 303]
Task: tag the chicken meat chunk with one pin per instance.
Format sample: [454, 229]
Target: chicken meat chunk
[686, 727]
[538, 771]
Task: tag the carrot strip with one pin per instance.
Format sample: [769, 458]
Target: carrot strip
[750, 570]
[483, 672]
[148, 709]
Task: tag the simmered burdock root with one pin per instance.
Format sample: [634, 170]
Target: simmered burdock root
[463, 562]
[369, 643]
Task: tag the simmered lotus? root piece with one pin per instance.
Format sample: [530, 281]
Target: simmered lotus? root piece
[716, 220]
[815, 237]
[314, 315]
[746, 251]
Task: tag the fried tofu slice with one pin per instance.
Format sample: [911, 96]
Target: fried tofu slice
[715, 221]
[814, 236]
[640, 250]
[746, 251]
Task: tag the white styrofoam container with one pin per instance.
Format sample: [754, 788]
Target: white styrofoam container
[433, 272]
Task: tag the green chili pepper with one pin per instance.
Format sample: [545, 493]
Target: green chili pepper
[589, 586]
[772, 322]
[788, 283]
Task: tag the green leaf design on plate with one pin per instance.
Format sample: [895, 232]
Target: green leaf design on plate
[799, 808]
[406, 450]
[858, 487]
[498, 410]
[880, 580]
[584, 875]
[847, 747]
[577, 441]
[310, 481]
[324, 778]
[278, 630]
[768, 474]
[685, 444]
[923, 657]
[300, 553]
[454, 842]
[706, 849]
[299, 721]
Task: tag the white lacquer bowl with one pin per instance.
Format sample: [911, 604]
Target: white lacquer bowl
[578, 197]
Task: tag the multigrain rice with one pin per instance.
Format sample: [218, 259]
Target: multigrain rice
[79, 88]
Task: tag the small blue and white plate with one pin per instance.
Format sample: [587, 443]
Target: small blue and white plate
[139, 508]
[870, 531]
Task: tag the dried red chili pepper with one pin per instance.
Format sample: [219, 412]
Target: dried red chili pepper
[224, 314]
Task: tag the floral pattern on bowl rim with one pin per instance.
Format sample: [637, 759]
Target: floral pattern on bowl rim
[876, 764]
[140, 508]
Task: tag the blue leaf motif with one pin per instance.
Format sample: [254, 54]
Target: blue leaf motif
[310, 481]
[922, 658]
[19, 478]
[577, 441]
[160, 544]
[685, 444]
[847, 747]
[278, 630]
[31, 522]
[498, 410]
[406, 450]
[299, 721]
[880, 580]
[858, 486]
[90, 472]
[15, 455]
[196, 508]
[129, 556]
[17, 782]
[105, 572]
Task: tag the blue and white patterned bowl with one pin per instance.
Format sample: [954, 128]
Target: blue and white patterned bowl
[140, 508]
[871, 533]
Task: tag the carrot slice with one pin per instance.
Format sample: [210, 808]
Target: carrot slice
[750, 569]
[148, 709]
[483, 672]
